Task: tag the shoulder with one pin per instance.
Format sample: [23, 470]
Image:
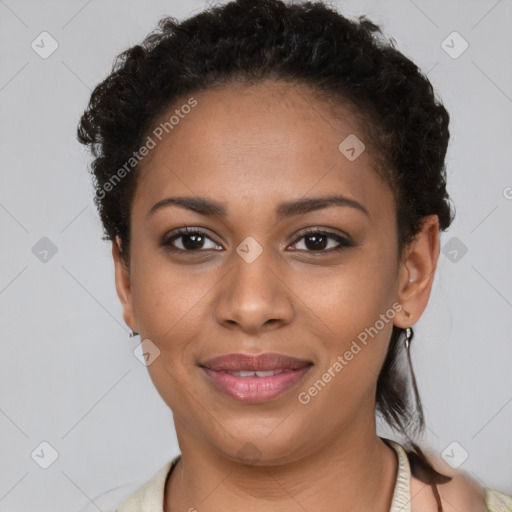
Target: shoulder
[462, 492]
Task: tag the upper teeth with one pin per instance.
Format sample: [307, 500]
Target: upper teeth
[268, 373]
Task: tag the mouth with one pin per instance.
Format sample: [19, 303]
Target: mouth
[255, 378]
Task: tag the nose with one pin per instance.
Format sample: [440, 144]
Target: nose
[254, 297]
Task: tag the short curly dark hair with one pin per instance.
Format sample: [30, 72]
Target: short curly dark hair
[342, 61]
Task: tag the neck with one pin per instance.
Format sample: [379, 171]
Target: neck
[356, 471]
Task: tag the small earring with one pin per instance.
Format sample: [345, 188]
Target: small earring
[409, 333]
[133, 333]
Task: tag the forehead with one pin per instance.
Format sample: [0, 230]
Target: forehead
[269, 142]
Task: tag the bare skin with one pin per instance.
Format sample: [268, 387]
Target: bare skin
[252, 149]
[462, 493]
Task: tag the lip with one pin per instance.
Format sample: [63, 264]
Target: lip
[252, 362]
[255, 389]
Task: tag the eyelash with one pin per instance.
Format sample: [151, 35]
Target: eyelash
[342, 241]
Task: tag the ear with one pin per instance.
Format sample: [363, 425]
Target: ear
[416, 274]
[123, 285]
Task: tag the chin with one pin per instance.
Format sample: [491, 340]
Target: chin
[266, 443]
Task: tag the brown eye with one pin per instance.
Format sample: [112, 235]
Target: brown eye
[188, 240]
[321, 241]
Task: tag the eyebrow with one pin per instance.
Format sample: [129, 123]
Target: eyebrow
[212, 208]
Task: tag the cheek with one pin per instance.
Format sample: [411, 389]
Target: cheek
[169, 305]
[167, 299]
[170, 310]
[353, 311]
[349, 298]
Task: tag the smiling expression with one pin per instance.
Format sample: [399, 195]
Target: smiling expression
[261, 166]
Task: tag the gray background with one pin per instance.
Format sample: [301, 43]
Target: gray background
[68, 375]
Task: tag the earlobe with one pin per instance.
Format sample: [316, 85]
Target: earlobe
[417, 272]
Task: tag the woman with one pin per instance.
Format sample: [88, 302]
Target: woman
[272, 180]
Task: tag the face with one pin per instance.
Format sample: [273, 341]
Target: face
[272, 264]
